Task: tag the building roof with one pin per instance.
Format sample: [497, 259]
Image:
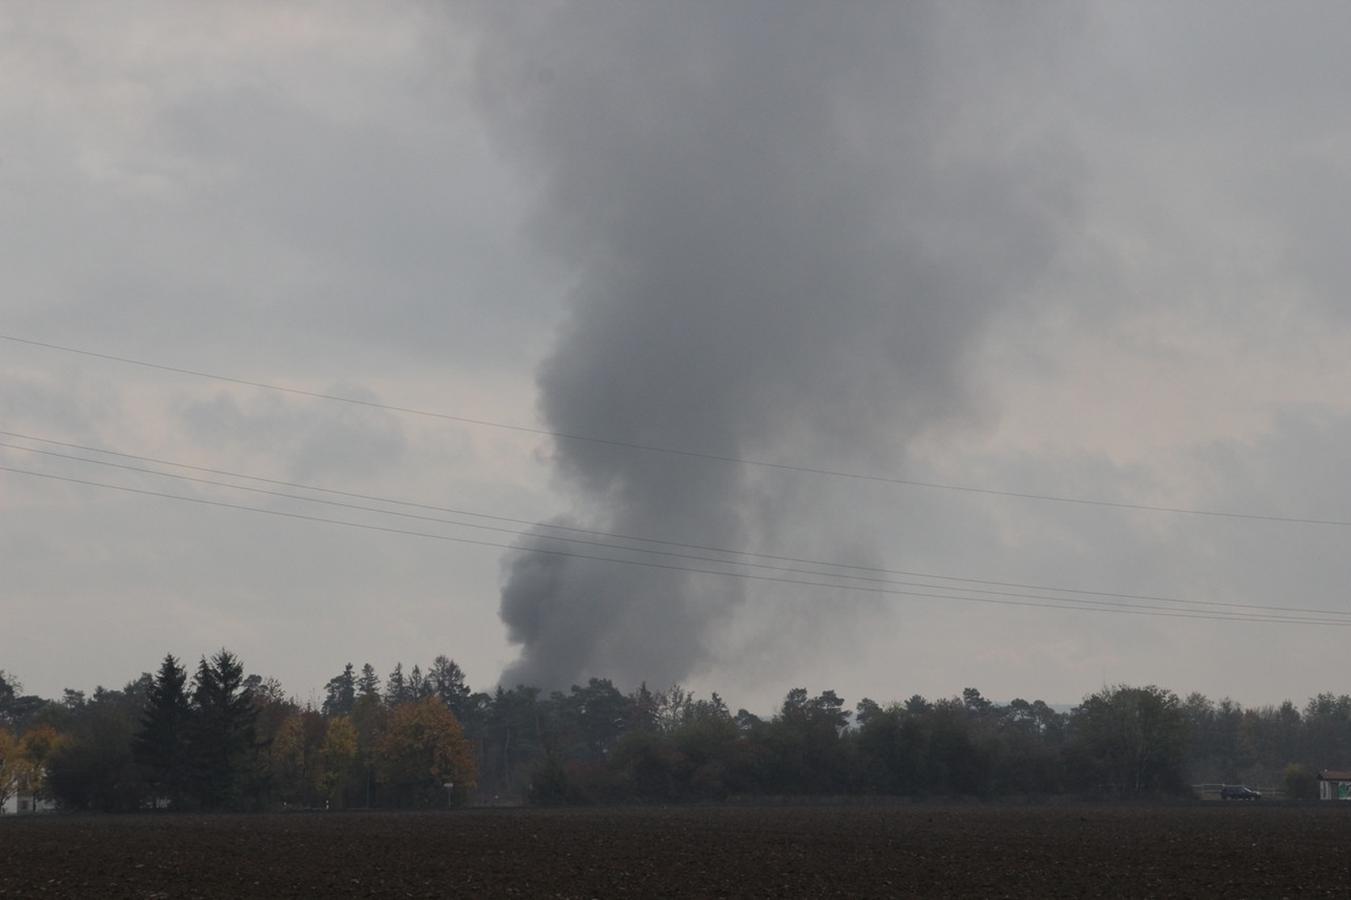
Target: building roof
[1334, 775]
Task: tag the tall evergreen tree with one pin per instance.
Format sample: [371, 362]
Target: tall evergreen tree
[161, 745]
[418, 689]
[222, 736]
[340, 693]
[10, 688]
[368, 685]
[396, 687]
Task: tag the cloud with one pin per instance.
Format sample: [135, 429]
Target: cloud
[316, 443]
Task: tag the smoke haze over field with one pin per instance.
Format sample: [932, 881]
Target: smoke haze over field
[790, 222]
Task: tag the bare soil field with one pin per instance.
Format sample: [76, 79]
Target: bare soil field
[1232, 850]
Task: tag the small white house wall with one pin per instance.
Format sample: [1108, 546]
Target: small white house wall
[11, 806]
[1334, 790]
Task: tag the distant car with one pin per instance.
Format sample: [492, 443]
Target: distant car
[1239, 792]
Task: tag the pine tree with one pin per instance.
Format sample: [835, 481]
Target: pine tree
[418, 689]
[368, 685]
[222, 736]
[161, 746]
[396, 687]
[341, 693]
[10, 688]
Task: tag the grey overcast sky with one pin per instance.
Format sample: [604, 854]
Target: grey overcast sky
[1091, 250]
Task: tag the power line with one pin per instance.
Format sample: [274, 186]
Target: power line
[576, 530]
[608, 546]
[1062, 603]
[665, 553]
[696, 454]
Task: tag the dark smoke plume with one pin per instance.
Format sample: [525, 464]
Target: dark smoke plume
[789, 222]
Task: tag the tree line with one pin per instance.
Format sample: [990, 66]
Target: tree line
[220, 739]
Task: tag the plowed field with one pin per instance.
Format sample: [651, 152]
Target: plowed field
[1235, 850]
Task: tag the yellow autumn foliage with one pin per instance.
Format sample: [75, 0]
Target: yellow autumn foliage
[424, 745]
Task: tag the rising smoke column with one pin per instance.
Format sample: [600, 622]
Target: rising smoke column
[789, 222]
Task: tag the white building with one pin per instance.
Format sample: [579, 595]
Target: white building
[23, 803]
[1334, 784]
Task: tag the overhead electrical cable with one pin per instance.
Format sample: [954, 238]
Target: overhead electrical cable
[664, 553]
[1061, 603]
[685, 556]
[533, 523]
[684, 452]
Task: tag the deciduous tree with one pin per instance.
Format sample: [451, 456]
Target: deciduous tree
[1131, 740]
[445, 681]
[295, 755]
[35, 751]
[10, 765]
[423, 750]
[338, 759]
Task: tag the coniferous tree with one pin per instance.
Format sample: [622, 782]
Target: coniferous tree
[418, 689]
[222, 736]
[341, 693]
[10, 688]
[368, 685]
[161, 746]
[396, 687]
